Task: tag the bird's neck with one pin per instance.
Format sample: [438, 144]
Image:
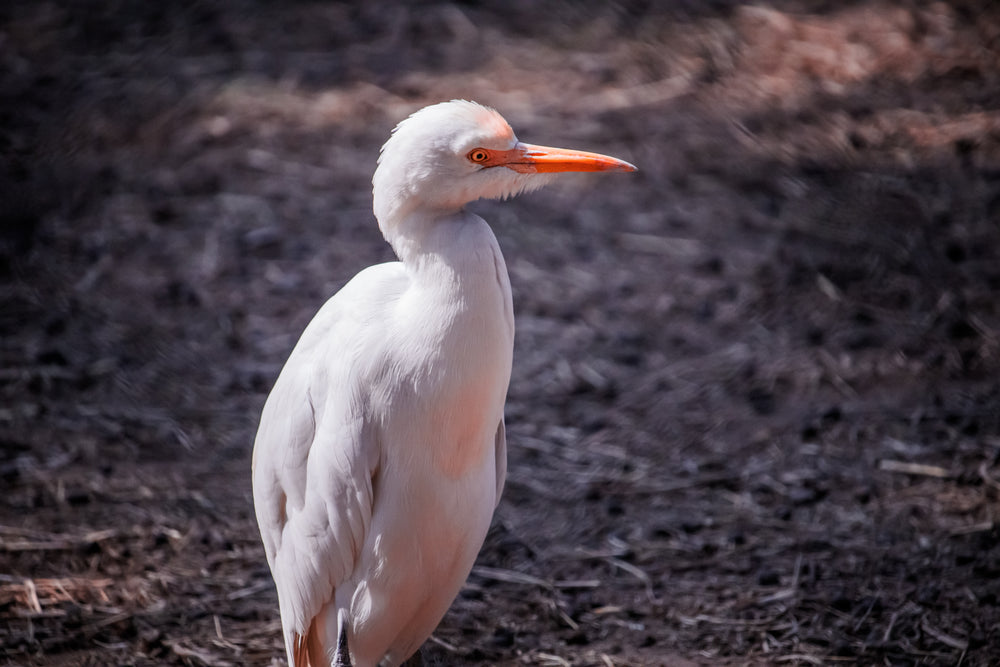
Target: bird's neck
[454, 240]
[460, 298]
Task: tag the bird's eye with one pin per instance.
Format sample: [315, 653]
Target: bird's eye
[478, 155]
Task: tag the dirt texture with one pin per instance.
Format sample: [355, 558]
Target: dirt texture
[754, 416]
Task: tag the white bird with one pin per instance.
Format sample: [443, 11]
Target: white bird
[381, 451]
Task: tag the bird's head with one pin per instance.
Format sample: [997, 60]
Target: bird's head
[447, 155]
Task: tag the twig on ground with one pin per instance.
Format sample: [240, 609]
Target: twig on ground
[984, 474]
[35, 594]
[913, 469]
[512, 577]
[550, 659]
[52, 542]
[943, 637]
[451, 648]
[981, 527]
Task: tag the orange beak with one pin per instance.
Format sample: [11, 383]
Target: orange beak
[531, 159]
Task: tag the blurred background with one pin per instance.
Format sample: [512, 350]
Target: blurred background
[755, 409]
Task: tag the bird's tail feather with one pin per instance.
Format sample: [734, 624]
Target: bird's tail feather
[308, 649]
[300, 650]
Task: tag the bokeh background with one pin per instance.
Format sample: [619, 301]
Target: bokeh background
[755, 408]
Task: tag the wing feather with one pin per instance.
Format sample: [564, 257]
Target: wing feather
[315, 457]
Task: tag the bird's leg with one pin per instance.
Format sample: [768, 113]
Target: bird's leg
[342, 658]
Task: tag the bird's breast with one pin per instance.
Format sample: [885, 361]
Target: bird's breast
[462, 341]
[464, 404]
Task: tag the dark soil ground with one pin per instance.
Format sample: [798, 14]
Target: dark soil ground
[755, 410]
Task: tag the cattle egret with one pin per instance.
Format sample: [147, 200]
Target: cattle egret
[381, 451]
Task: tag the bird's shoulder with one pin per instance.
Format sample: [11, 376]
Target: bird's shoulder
[327, 363]
[365, 299]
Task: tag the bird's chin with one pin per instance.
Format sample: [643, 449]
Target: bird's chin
[508, 184]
